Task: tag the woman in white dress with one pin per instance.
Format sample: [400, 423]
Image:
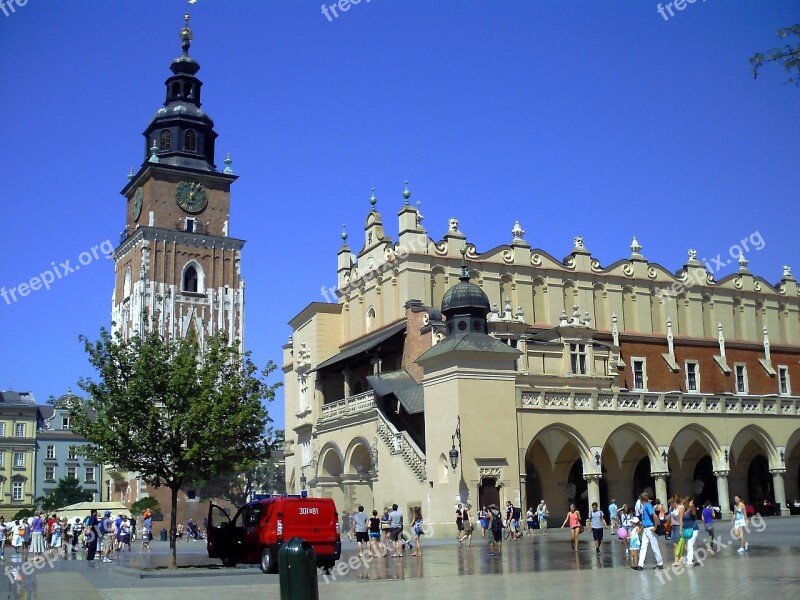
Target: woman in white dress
[16, 538]
[56, 541]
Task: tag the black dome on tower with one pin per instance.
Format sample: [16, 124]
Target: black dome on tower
[465, 305]
[181, 133]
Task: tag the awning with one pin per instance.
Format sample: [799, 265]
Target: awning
[365, 345]
[402, 385]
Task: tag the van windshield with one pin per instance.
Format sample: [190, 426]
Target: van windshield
[248, 516]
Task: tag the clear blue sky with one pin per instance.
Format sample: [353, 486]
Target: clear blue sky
[598, 119]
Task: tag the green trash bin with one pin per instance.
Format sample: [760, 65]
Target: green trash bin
[297, 565]
[163, 535]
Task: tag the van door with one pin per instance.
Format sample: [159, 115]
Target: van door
[220, 533]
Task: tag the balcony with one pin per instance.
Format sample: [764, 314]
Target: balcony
[663, 403]
[347, 407]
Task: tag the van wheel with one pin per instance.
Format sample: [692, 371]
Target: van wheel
[327, 566]
[267, 561]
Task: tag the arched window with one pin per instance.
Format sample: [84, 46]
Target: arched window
[370, 319]
[176, 89]
[126, 288]
[190, 280]
[193, 280]
[190, 141]
[188, 88]
[166, 140]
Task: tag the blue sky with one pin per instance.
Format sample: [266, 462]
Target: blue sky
[598, 119]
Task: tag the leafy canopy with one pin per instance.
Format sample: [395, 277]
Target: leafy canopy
[170, 413]
[68, 491]
[787, 55]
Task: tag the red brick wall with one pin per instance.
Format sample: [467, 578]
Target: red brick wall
[416, 342]
[661, 378]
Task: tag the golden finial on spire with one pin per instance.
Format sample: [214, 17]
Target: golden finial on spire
[186, 32]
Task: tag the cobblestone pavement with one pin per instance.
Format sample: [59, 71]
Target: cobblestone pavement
[538, 567]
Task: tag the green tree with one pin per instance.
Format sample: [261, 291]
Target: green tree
[68, 491]
[172, 413]
[787, 55]
[143, 504]
[23, 514]
[258, 476]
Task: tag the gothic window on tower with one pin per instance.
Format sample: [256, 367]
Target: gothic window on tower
[190, 141]
[193, 280]
[126, 289]
[166, 140]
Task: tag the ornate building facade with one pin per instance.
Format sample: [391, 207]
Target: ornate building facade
[177, 266]
[519, 376]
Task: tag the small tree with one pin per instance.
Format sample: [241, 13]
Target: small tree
[788, 55]
[170, 412]
[68, 491]
[149, 503]
[251, 477]
[24, 514]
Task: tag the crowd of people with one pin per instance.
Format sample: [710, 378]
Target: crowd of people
[33, 536]
[638, 527]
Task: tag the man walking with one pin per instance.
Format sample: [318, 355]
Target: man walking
[496, 529]
[107, 531]
[649, 537]
[612, 515]
[360, 525]
[395, 530]
[542, 513]
[598, 524]
[91, 534]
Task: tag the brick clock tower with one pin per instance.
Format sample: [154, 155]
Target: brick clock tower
[176, 265]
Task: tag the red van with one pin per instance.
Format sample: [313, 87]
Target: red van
[258, 529]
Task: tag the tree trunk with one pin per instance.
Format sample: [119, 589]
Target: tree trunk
[173, 528]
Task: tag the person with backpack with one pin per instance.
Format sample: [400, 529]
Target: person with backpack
[513, 515]
[496, 534]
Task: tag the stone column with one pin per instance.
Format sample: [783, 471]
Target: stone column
[593, 491]
[661, 486]
[780, 492]
[346, 374]
[722, 493]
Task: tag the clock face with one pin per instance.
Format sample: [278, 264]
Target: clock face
[191, 197]
[137, 204]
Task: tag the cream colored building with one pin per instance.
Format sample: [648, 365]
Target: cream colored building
[558, 379]
[18, 419]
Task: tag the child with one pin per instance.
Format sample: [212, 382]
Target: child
[635, 537]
